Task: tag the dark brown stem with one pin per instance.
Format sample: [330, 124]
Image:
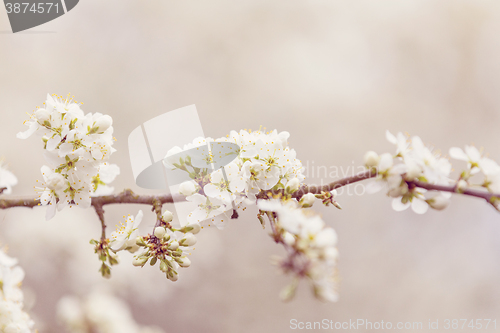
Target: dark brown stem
[100, 213]
[129, 197]
[125, 197]
[488, 196]
[335, 184]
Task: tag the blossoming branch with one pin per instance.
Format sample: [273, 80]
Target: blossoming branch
[264, 171]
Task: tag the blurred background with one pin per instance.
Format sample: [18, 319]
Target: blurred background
[336, 75]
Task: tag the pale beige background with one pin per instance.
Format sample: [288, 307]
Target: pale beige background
[336, 75]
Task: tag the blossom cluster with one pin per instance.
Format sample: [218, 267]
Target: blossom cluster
[262, 161]
[413, 161]
[13, 319]
[263, 164]
[310, 243]
[477, 163]
[77, 147]
[167, 246]
[99, 312]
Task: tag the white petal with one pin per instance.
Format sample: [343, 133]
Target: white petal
[390, 137]
[386, 162]
[53, 142]
[374, 186]
[118, 245]
[26, 134]
[398, 206]
[473, 153]
[65, 149]
[138, 219]
[419, 206]
[458, 154]
[108, 172]
[51, 211]
[7, 261]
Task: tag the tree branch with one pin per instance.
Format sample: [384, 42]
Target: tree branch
[129, 197]
[488, 196]
[335, 184]
[125, 197]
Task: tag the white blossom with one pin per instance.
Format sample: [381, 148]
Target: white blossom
[315, 242]
[412, 161]
[77, 145]
[126, 234]
[225, 187]
[12, 316]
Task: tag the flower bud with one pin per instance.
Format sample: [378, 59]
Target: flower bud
[103, 123]
[153, 261]
[140, 241]
[194, 228]
[172, 275]
[398, 191]
[307, 200]
[184, 262]
[188, 240]
[159, 232]
[371, 159]
[292, 185]
[140, 261]
[173, 246]
[337, 205]
[42, 115]
[105, 271]
[288, 238]
[439, 202]
[288, 292]
[167, 216]
[177, 253]
[163, 266]
[187, 188]
[334, 193]
[461, 186]
[113, 258]
[131, 246]
[331, 253]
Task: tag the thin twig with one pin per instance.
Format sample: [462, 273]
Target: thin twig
[157, 207]
[100, 213]
[272, 221]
